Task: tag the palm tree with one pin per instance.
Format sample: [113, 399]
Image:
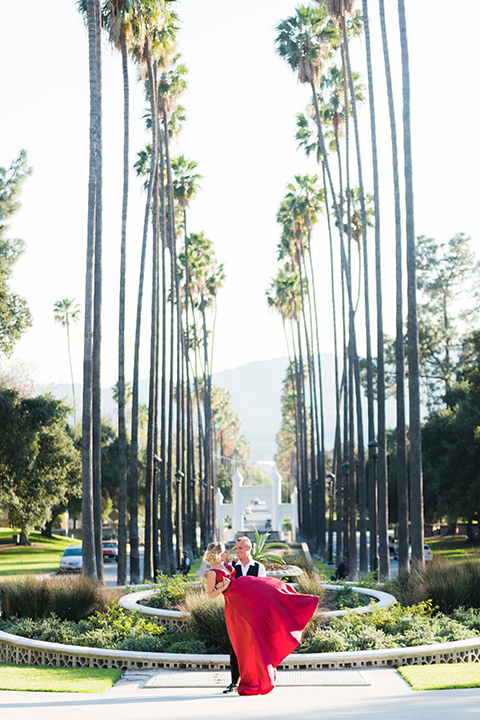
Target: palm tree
[339, 9]
[416, 481]
[185, 186]
[206, 276]
[298, 214]
[402, 473]
[65, 313]
[91, 354]
[171, 83]
[154, 29]
[382, 455]
[119, 23]
[285, 296]
[305, 40]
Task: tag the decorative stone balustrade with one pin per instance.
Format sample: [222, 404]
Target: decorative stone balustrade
[20, 650]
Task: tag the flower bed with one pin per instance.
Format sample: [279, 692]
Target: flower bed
[176, 618]
[137, 642]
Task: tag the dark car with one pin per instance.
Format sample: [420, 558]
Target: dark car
[110, 550]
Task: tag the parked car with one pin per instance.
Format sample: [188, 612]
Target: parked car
[427, 553]
[393, 549]
[110, 550]
[71, 560]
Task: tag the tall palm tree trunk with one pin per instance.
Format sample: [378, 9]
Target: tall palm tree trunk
[346, 270]
[362, 489]
[122, 434]
[94, 565]
[148, 569]
[402, 471]
[88, 536]
[134, 549]
[165, 504]
[416, 480]
[382, 437]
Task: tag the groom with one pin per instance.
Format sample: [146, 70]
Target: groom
[243, 565]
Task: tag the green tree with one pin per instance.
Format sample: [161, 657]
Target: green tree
[447, 280]
[39, 464]
[15, 316]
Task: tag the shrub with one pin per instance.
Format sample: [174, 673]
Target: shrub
[169, 593]
[449, 585]
[324, 640]
[72, 598]
[113, 629]
[196, 647]
[175, 639]
[393, 626]
[26, 596]
[298, 558]
[206, 621]
[310, 584]
[346, 597]
[469, 617]
[69, 597]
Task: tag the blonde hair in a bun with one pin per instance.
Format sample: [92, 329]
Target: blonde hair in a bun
[214, 552]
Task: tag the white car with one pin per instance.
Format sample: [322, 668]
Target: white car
[71, 560]
[427, 553]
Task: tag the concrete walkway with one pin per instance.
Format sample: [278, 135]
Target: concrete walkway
[386, 697]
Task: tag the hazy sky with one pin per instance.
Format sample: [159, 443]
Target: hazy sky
[241, 106]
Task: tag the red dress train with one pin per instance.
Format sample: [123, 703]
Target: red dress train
[265, 618]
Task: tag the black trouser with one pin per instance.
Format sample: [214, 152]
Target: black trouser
[234, 665]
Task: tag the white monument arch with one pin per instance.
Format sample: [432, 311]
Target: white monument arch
[244, 495]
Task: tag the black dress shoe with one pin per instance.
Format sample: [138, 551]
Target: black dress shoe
[231, 688]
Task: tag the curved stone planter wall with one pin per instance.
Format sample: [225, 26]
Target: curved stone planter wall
[176, 618]
[19, 650]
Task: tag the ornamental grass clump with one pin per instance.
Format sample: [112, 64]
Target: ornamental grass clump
[68, 597]
[309, 583]
[206, 621]
[448, 585]
[299, 559]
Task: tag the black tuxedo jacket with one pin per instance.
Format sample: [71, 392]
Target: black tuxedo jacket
[252, 570]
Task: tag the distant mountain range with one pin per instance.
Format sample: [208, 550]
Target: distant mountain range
[256, 390]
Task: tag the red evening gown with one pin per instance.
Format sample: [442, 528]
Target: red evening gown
[265, 618]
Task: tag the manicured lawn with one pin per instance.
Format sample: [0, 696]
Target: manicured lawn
[322, 568]
[42, 557]
[52, 679]
[192, 573]
[442, 677]
[453, 547]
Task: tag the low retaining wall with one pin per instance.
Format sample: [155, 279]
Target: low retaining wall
[176, 618]
[19, 650]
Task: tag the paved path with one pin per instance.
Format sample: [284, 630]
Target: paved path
[387, 697]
